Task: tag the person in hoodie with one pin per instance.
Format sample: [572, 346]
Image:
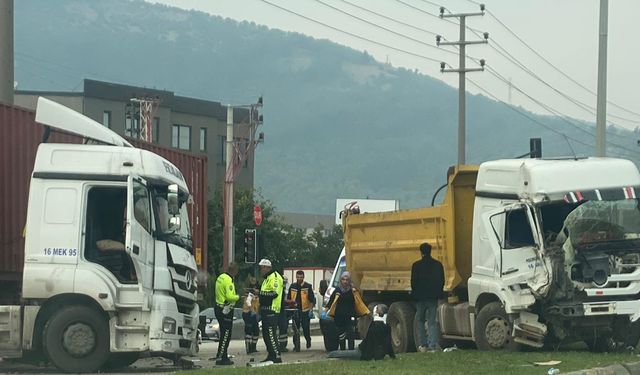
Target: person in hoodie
[344, 306]
[427, 283]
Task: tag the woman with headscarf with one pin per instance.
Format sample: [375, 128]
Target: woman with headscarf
[345, 304]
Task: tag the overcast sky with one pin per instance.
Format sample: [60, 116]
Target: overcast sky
[565, 32]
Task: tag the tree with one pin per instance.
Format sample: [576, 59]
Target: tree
[283, 244]
[326, 247]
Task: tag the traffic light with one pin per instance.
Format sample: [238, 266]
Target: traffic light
[250, 246]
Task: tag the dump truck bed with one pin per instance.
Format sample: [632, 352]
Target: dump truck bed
[381, 247]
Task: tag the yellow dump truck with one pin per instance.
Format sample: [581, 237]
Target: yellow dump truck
[534, 251]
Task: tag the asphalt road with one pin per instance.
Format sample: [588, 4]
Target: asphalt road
[207, 350]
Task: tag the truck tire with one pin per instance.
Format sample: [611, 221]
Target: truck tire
[401, 320]
[365, 321]
[329, 335]
[493, 329]
[76, 339]
[120, 360]
[600, 344]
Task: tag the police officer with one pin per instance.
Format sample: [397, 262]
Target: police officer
[302, 293]
[270, 302]
[226, 298]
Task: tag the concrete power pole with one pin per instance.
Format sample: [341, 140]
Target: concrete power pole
[237, 152]
[228, 255]
[462, 70]
[147, 109]
[6, 52]
[601, 110]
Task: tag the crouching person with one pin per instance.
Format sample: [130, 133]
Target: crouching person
[376, 345]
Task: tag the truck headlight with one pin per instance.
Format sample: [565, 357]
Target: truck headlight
[169, 325]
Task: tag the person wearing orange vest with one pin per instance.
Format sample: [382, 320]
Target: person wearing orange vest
[344, 306]
[302, 293]
[250, 310]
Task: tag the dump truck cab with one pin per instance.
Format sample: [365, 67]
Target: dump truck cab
[557, 244]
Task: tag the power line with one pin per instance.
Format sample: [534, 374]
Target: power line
[546, 107]
[588, 108]
[382, 27]
[504, 53]
[351, 34]
[432, 14]
[533, 120]
[551, 64]
[389, 18]
[553, 111]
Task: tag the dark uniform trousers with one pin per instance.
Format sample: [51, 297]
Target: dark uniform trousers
[269, 326]
[302, 319]
[251, 331]
[226, 325]
[283, 327]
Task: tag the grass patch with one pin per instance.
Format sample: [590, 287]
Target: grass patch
[456, 362]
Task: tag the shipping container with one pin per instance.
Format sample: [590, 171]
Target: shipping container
[20, 136]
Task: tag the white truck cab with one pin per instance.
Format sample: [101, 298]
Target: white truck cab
[557, 244]
[109, 271]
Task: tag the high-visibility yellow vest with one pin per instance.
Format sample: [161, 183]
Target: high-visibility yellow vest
[271, 292]
[225, 290]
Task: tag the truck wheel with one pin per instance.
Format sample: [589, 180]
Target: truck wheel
[400, 319]
[76, 339]
[120, 360]
[601, 344]
[493, 329]
[329, 335]
[365, 321]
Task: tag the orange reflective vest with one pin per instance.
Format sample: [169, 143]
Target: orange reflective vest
[361, 308]
[306, 295]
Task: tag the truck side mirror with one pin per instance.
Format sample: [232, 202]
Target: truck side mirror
[174, 224]
[172, 200]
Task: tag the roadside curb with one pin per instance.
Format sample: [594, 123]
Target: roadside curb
[620, 369]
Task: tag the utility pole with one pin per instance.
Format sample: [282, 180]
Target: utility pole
[6, 52]
[228, 193]
[147, 110]
[237, 152]
[462, 70]
[601, 110]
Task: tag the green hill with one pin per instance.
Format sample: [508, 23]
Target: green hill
[337, 122]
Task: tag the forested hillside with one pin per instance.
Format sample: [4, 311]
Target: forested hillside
[337, 122]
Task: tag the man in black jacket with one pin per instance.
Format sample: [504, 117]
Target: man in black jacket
[427, 282]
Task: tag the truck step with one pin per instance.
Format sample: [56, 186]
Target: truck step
[132, 328]
[128, 306]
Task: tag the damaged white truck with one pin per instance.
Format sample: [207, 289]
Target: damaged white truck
[109, 271]
[536, 252]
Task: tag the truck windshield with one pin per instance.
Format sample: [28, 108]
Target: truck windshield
[180, 237]
[342, 266]
[594, 225]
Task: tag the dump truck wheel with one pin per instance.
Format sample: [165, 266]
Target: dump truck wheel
[76, 339]
[400, 319]
[493, 328]
[329, 335]
[365, 321]
[120, 360]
